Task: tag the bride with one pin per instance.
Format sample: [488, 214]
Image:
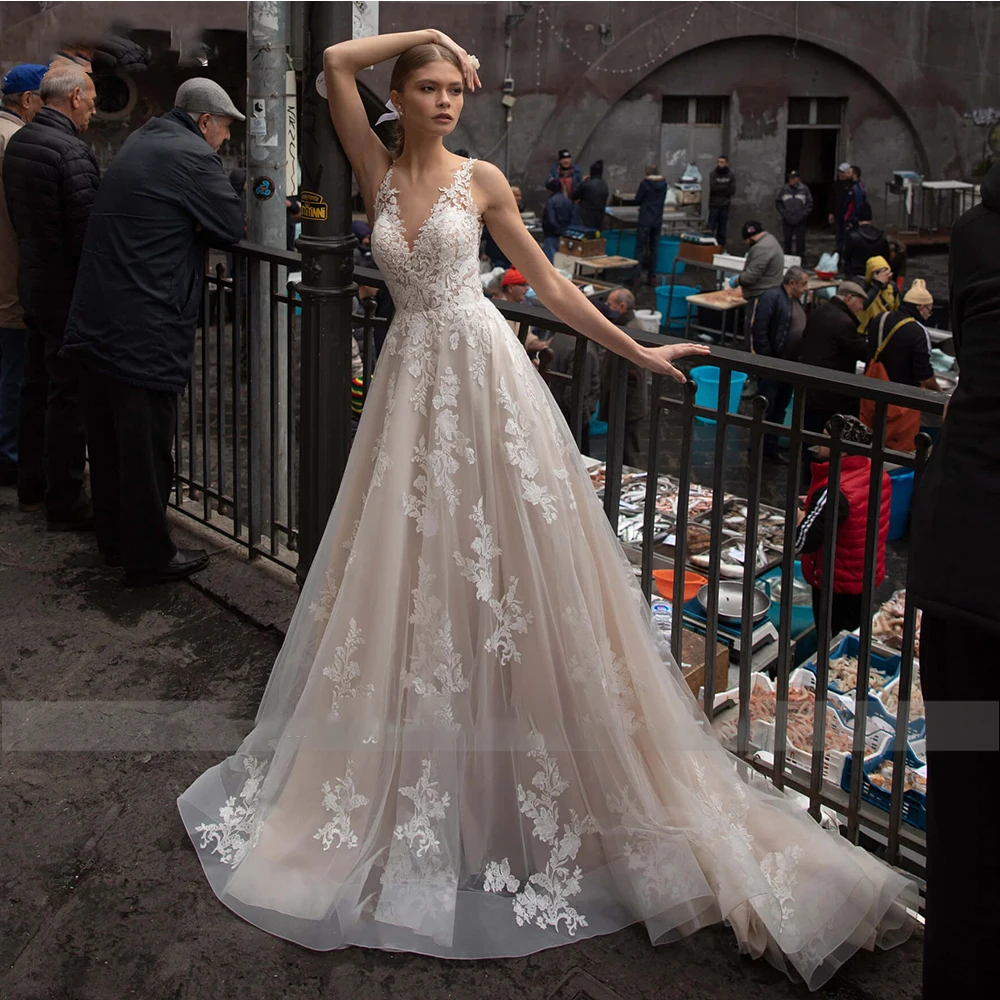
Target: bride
[474, 742]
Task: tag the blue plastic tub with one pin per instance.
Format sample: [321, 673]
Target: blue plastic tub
[619, 241]
[899, 510]
[706, 378]
[598, 427]
[666, 253]
[674, 308]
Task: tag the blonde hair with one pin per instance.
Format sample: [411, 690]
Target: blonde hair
[405, 66]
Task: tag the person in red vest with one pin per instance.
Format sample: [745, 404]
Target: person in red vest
[852, 521]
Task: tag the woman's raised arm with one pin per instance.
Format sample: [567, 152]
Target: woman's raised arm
[341, 64]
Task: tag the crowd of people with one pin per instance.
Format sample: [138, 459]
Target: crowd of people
[100, 286]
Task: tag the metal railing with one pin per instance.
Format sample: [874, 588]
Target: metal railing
[217, 446]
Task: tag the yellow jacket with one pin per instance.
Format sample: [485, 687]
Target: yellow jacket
[880, 298]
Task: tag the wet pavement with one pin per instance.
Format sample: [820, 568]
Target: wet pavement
[114, 700]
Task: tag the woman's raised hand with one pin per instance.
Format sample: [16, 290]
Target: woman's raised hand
[658, 359]
[470, 64]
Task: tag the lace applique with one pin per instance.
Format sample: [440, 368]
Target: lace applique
[480, 570]
[380, 455]
[434, 657]
[598, 667]
[428, 804]
[239, 827]
[654, 855]
[511, 620]
[321, 609]
[780, 870]
[341, 801]
[435, 483]
[727, 826]
[521, 456]
[543, 900]
[344, 671]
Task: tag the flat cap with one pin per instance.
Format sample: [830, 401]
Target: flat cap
[23, 78]
[850, 288]
[203, 96]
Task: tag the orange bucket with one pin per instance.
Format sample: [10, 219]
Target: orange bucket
[664, 580]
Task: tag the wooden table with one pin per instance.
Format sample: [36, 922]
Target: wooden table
[602, 263]
[693, 662]
[724, 301]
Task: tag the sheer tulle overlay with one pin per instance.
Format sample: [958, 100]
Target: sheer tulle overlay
[473, 742]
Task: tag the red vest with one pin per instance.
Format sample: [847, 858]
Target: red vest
[849, 560]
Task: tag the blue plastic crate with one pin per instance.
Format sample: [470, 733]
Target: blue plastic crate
[887, 666]
[914, 802]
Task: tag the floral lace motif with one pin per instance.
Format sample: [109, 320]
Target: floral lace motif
[321, 609]
[380, 454]
[434, 657]
[341, 800]
[428, 805]
[434, 487]
[239, 826]
[606, 674]
[344, 671]
[521, 456]
[511, 618]
[781, 873]
[544, 899]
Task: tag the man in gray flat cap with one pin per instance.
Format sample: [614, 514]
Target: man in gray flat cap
[132, 323]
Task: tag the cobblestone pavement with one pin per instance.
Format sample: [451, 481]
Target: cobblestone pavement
[101, 895]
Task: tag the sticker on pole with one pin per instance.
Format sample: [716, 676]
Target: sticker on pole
[313, 207]
[263, 188]
[321, 86]
[259, 108]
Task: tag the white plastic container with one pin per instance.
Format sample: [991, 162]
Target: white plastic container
[649, 319]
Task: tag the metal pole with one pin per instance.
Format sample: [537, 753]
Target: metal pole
[267, 64]
[327, 290]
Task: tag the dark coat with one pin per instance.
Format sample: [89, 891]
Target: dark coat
[591, 197]
[636, 382]
[770, 324]
[558, 215]
[955, 534]
[862, 242]
[721, 184]
[50, 177]
[650, 196]
[831, 340]
[794, 203]
[164, 198]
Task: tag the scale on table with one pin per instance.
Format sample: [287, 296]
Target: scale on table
[763, 639]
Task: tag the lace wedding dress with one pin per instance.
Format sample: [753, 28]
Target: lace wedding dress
[473, 742]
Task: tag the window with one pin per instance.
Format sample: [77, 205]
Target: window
[693, 110]
[798, 110]
[822, 112]
[675, 111]
[708, 110]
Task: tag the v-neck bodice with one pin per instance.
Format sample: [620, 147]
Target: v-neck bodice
[442, 263]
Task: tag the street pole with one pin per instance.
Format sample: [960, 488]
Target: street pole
[327, 289]
[267, 171]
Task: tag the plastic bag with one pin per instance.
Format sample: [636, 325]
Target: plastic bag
[691, 175]
[829, 262]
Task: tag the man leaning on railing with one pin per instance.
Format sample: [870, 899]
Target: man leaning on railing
[133, 319]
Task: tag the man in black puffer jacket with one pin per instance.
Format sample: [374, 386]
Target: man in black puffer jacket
[133, 319]
[50, 177]
[954, 539]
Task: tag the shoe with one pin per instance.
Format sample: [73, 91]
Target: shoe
[80, 519]
[29, 506]
[182, 565]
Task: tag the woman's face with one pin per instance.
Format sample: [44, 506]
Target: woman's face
[432, 99]
[883, 274]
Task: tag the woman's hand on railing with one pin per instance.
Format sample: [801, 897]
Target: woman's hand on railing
[658, 359]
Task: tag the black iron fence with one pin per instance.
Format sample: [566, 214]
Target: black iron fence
[236, 473]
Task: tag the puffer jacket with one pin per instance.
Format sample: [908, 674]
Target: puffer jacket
[650, 196]
[50, 179]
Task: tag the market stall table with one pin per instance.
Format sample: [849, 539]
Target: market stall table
[602, 263]
[724, 301]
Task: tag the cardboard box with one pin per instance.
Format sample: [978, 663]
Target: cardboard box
[693, 654]
[701, 252]
[582, 248]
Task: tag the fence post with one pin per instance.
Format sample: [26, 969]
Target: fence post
[327, 289]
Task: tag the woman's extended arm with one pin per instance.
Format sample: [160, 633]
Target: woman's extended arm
[560, 296]
[341, 63]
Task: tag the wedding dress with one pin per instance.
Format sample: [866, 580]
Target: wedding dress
[474, 742]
